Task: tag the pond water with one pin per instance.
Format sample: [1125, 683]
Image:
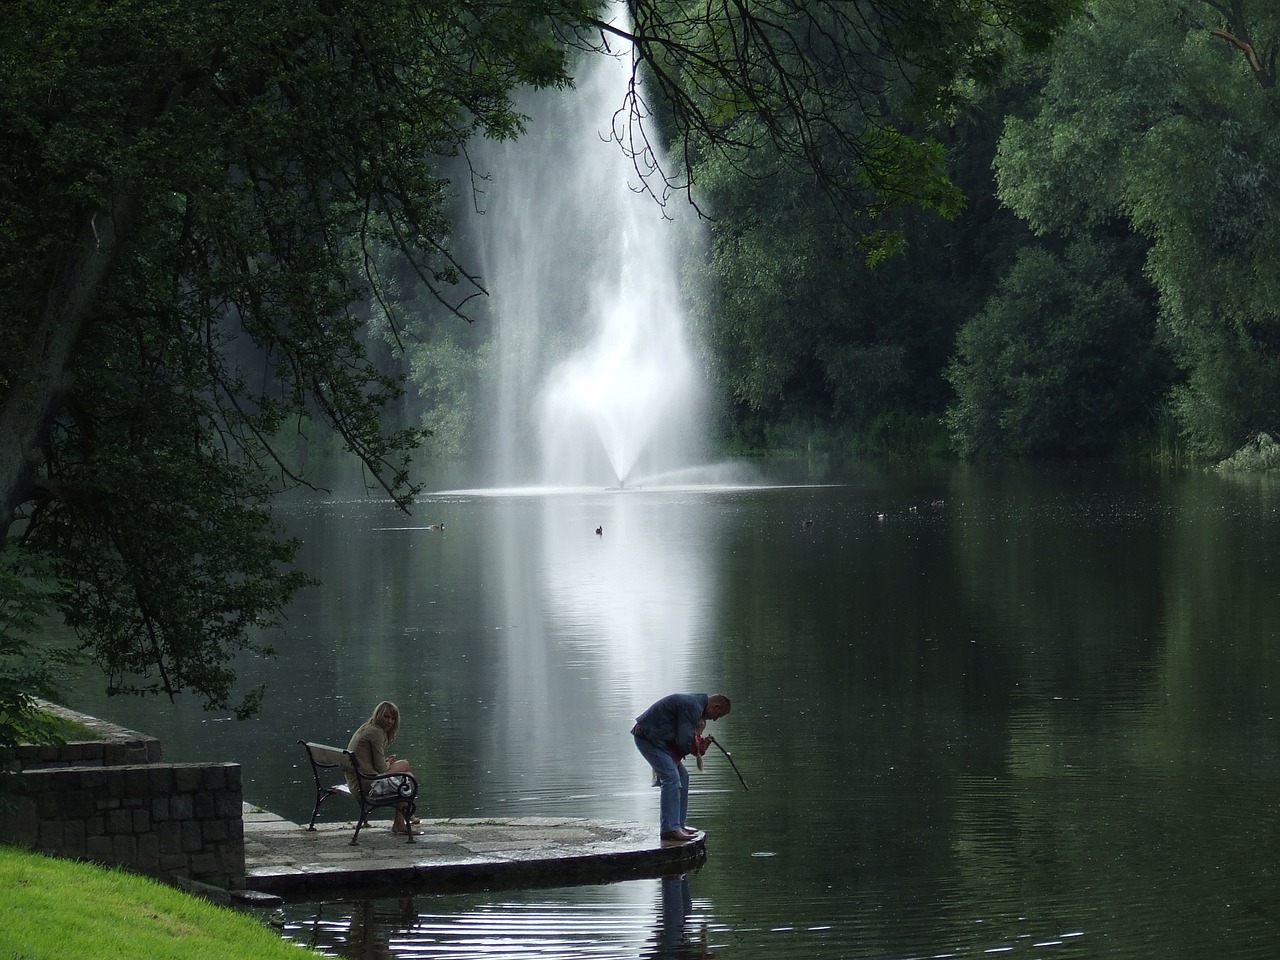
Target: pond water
[1022, 712]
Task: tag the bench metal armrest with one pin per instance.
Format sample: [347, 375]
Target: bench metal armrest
[406, 785]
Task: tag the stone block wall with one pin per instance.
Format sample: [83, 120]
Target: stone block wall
[175, 821]
[115, 802]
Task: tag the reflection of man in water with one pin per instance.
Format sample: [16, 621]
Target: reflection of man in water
[671, 942]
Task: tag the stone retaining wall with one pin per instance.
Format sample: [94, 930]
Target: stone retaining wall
[111, 745]
[114, 801]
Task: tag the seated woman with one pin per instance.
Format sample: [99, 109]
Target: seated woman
[369, 746]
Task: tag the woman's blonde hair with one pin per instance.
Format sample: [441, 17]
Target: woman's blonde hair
[381, 712]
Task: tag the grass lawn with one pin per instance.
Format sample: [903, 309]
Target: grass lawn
[47, 726]
[64, 910]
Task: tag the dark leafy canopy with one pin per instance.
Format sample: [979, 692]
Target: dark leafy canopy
[196, 197]
[190, 195]
[813, 81]
[1062, 360]
[806, 339]
[1167, 115]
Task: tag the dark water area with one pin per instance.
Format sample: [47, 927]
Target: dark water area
[1023, 712]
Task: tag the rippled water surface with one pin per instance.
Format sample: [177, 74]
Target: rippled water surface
[1021, 712]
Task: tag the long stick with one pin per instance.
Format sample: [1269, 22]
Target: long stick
[729, 757]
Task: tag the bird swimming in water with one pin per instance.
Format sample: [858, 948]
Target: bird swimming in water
[599, 531]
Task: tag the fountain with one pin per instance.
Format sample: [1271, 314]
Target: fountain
[597, 383]
[596, 388]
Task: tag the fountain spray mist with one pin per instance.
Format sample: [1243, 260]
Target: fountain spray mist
[597, 384]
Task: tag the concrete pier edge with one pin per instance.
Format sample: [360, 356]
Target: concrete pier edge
[285, 860]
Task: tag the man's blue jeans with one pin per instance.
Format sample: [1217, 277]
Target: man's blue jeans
[673, 780]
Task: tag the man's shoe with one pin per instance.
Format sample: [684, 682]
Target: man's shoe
[676, 836]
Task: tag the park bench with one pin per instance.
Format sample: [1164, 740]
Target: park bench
[326, 758]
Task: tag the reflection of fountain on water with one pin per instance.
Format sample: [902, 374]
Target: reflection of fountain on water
[596, 383]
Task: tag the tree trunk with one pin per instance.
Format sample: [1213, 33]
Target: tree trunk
[46, 370]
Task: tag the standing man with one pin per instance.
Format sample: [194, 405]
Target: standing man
[664, 735]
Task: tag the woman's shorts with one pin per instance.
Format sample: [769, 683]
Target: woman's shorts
[382, 788]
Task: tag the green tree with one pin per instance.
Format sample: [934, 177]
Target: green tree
[833, 90]
[1062, 360]
[797, 328]
[194, 197]
[812, 344]
[1166, 114]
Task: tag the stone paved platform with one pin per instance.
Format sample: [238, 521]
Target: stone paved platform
[287, 860]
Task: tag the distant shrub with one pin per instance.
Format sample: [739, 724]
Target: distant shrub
[1260, 455]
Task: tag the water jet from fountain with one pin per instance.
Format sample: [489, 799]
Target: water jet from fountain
[597, 382]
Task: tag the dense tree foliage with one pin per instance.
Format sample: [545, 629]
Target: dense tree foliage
[806, 341]
[812, 343]
[1166, 114]
[1155, 120]
[813, 83]
[1062, 360]
[194, 202]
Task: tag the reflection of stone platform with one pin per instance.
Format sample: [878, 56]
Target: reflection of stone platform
[286, 859]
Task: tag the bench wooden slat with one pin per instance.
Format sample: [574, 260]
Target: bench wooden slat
[326, 755]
